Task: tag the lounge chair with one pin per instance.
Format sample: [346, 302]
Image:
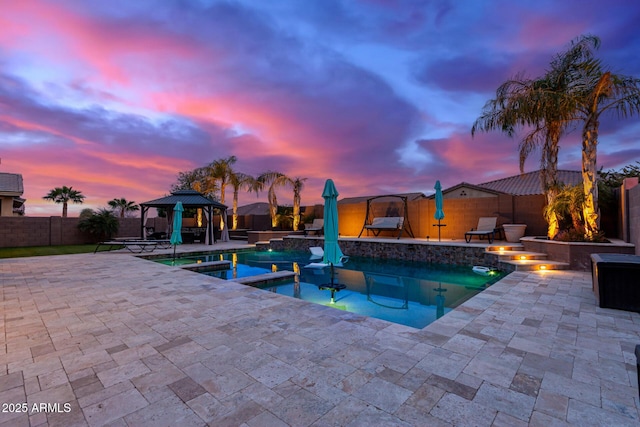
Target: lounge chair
[317, 227]
[161, 243]
[318, 253]
[136, 246]
[486, 227]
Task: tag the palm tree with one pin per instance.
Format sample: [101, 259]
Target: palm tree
[522, 102]
[576, 88]
[241, 180]
[568, 207]
[123, 206]
[592, 91]
[297, 184]
[273, 179]
[102, 223]
[277, 179]
[63, 195]
[609, 93]
[222, 171]
[518, 103]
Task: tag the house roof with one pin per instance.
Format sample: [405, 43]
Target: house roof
[258, 208]
[189, 198]
[11, 184]
[529, 183]
[383, 198]
[467, 185]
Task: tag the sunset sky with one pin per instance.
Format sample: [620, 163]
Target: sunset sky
[114, 98]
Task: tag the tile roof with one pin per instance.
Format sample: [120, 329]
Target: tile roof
[258, 208]
[11, 184]
[189, 198]
[467, 185]
[529, 183]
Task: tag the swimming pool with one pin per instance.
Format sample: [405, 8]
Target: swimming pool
[410, 293]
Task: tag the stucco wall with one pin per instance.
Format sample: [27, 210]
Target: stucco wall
[461, 214]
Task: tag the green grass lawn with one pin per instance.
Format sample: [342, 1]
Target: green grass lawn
[47, 250]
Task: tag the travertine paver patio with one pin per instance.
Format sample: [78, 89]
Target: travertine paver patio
[125, 341]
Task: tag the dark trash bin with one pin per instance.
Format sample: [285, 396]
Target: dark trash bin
[616, 281]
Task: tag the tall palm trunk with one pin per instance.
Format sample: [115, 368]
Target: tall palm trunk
[589, 153]
[273, 208]
[296, 210]
[234, 225]
[549, 172]
[223, 220]
[589, 177]
[64, 209]
[553, 227]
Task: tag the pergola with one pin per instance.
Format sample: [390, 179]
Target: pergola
[189, 199]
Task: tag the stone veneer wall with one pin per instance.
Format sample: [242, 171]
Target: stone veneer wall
[435, 253]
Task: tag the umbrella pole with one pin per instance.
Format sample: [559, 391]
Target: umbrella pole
[332, 272]
[439, 230]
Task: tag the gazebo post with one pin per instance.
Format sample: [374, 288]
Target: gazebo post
[210, 225]
[142, 229]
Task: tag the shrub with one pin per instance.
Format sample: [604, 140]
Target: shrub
[102, 224]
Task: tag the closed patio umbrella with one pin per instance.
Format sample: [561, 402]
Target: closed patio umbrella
[439, 215]
[332, 252]
[176, 235]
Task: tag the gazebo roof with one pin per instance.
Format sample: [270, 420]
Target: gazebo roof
[189, 198]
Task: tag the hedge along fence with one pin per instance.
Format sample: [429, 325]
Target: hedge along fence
[51, 231]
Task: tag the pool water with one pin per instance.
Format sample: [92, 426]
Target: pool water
[410, 293]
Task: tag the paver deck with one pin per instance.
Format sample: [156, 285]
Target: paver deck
[110, 339]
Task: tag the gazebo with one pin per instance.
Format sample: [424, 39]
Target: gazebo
[189, 199]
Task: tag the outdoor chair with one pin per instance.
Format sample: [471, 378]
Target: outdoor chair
[317, 226]
[316, 252]
[486, 228]
[136, 246]
[385, 223]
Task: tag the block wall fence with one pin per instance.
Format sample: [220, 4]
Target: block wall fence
[55, 230]
[634, 217]
[460, 216]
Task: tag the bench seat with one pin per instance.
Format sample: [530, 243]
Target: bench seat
[385, 223]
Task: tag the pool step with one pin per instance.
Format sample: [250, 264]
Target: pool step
[505, 247]
[208, 266]
[266, 278]
[515, 258]
[519, 255]
[536, 264]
